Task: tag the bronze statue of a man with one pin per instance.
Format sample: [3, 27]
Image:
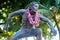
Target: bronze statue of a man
[30, 19]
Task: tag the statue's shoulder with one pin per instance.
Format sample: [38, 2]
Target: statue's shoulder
[22, 10]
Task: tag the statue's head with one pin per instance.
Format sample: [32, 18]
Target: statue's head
[33, 6]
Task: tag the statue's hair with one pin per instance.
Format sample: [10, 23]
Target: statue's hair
[33, 3]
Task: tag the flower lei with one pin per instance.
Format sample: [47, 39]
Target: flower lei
[36, 21]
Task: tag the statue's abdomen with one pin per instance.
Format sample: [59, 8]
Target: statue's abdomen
[25, 22]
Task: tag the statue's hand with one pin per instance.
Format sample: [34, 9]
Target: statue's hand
[53, 32]
[5, 27]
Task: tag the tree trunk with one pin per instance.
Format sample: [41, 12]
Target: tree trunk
[54, 17]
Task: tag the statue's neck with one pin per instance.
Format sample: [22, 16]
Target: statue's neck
[32, 12]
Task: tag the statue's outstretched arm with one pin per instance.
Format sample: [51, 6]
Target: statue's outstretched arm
[16, 13]
[49, 22]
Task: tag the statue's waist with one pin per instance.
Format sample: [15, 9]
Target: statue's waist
[27, 26]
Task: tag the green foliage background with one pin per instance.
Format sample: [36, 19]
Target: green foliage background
[8, 6]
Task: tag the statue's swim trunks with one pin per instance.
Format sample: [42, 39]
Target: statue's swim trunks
[24, 32]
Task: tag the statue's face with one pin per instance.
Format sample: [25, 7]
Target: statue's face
[35, 7]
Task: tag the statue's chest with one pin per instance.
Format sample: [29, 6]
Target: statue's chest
[25, 19]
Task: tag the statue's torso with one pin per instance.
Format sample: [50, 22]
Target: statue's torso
[25, 22]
